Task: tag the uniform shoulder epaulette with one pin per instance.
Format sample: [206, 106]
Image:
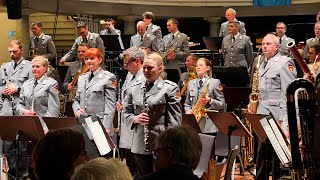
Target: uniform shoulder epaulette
[136, 83]
[170, 82]
[108, 73]
[28, 80]
[83, 74]
[47, 36]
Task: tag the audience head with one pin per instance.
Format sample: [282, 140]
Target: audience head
[57, 153]
[133, 59]
[177, 145]
[15, 50]
[102, 169]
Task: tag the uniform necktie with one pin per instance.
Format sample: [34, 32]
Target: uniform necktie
[85, 40]
[91, 77]
[233, 39]
[149, 86]
[280, 40]
[35, 83]
[141, 38]
[172, 36]
[133, 77]
[109, 32]
[15, 65]
[147, 28]
[200, 83]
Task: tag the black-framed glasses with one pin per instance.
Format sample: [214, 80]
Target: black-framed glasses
[155, 152]
[127, 64]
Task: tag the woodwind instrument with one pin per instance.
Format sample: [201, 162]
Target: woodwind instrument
[247, 144]
[192, 75]
[7, 82]
[198, 110]
[254, 95]
[145, 127]
[117, 129]
[303, 65]
[301, 106]
[74, 81]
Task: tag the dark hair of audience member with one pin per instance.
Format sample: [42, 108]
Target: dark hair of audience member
[56, 154]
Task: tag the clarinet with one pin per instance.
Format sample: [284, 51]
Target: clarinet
[145, 127]
[119, 112]
[6, 82]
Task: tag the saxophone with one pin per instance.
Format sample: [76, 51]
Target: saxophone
[198, 110]
[254, 96]
[192, 75]
[145, 127]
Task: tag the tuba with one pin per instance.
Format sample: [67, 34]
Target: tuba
[192, 75]
[302, 113]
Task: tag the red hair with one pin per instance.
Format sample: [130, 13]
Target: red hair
[93, 52]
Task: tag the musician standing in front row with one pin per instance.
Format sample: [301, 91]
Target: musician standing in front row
[213, 99]
[96, 93]
[275, 74]
[236, 48]
[155, 91]
[176, 45]
[12, 75]
[39, 96]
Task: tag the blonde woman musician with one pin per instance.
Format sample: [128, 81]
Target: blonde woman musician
[39, 95]
[214, 98]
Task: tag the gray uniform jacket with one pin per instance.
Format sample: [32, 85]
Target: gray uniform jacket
[44, 47]
[112, 32]
[183, 77]
[148, 41]
[156, 31]
[97, 97]
[274, 78]
[217, 100]
[180, 45]
[126, 133]
[164, 93]
[16, 76]
[238, 53]
[94, 41]
[224, 29]
[72, 71]
[283, 49]
[45, 97]
[310, 42]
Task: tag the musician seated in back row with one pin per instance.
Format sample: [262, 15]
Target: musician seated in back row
[212, 99]
[191, 61]
[96, 93]
[162, 97]
[39, 95]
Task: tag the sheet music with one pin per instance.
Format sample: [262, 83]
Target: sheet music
[280, 138]
[274, 141]
[98, 136]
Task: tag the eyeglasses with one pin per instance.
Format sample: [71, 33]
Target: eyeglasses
[127, 64]
[155, 152]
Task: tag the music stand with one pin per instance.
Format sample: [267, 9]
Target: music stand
[254, 119]
[189, 119]
[21, 128]
[213, 43]
[112, 43]
[58, 123]
[231, 76]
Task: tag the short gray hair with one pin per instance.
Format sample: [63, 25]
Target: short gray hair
[236, 23]
[232, 10]
[134, 53]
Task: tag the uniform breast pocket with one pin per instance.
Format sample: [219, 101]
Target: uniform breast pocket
[241, 49]
[273, 81]
[193, 95]
[98, 94]
[22, 77]
[44, 98]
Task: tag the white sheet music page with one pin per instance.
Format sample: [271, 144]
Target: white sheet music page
[99, 137]
[274, 141]
[280, 138]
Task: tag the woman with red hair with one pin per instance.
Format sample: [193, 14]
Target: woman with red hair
[96, 93]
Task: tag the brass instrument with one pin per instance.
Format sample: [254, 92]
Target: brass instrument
[117, 129]
[169, 50]
[254, 96]
[74, 81]
[247, 145]
[145, 127]
[198, 110]
[32, 54]
[192, 75]
[301, 106]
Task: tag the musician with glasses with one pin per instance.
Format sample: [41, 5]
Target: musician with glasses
[176, 155]
[314, 59]
[281, 30]
[212, 99]
[39, 95]
[313, 41]
[96, 92]
[144, 98]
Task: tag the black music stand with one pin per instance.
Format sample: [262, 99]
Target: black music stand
[231, 76]
[112, 43]
[20, 128]
[58, 123]
[189, 119]
[213, 43]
